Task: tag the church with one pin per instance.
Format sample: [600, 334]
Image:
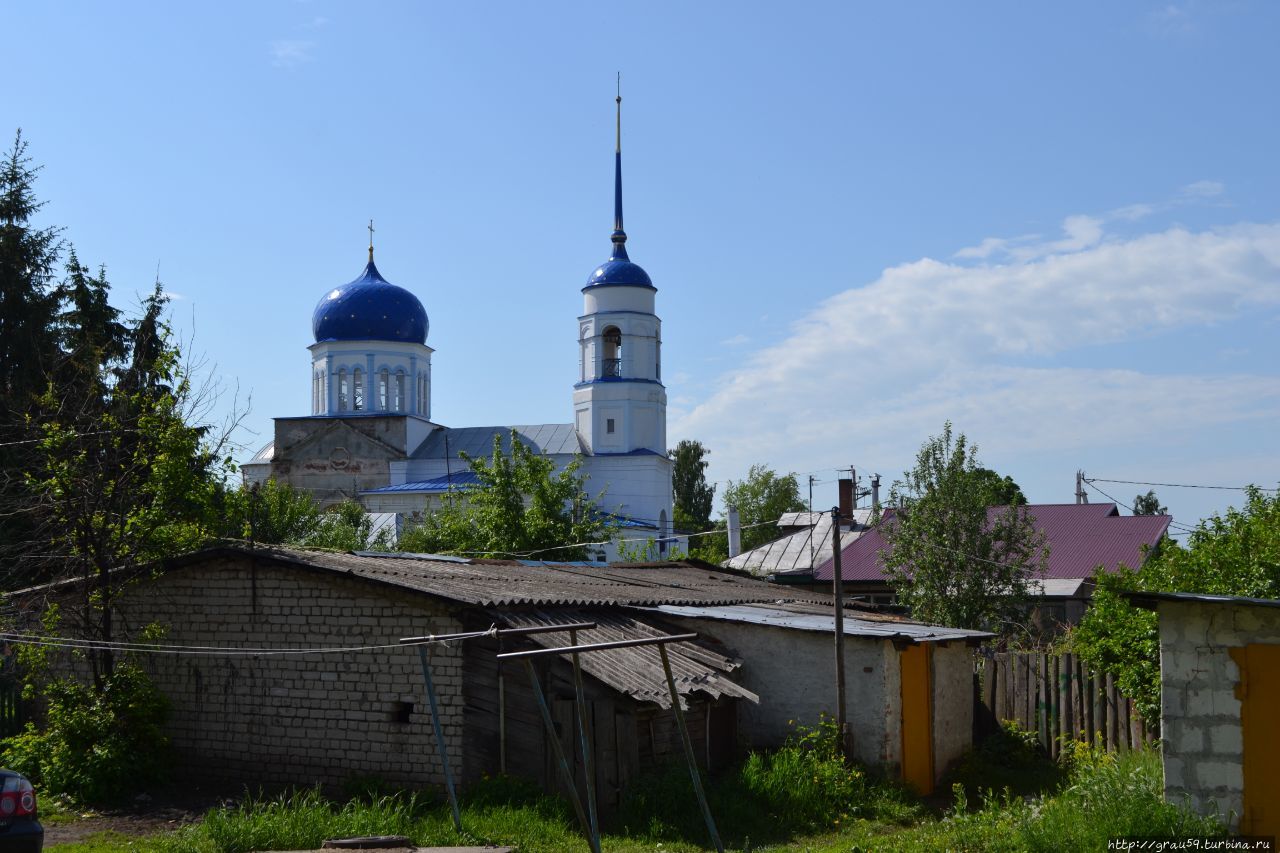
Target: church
[370, 436]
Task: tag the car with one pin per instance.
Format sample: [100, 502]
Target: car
[20, 830]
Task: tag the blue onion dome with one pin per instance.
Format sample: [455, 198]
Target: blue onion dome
[370, 309]
[619, 271]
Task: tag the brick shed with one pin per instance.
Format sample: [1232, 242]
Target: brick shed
[359, 710]
[1219, 695]
[338, 716]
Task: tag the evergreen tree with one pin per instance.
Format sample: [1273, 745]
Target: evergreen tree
[28, 299]
[28, 347]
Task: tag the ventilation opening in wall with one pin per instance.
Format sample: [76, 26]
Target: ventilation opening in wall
[401, 711]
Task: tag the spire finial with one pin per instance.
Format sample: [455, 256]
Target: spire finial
[370, 241]
[619, 235]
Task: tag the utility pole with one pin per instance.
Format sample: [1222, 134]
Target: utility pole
[1081, 496]
[837, 585]
[853, 475]
[810, 493]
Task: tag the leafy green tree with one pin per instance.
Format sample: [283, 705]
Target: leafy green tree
[272, 513]
[761, 498]
[521, 505]
[693, 495]
[950, 560]
[1233, 554]
[997, 490]
[1149, 504]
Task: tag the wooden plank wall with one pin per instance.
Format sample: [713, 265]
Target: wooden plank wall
[625, 736]
[1057, 696]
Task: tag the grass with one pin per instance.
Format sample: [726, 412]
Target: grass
[801, 798]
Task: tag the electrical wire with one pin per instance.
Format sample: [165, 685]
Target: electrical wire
[1180, 485]
[1181, 527]
[203, 651]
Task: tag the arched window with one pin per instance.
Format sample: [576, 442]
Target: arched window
[384, 390]
[657, 360]
[344, 390]
[422, 393]
[611, 362]
[357, 390]
[399, 390]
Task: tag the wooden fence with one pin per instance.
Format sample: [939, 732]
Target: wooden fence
[1059, 698]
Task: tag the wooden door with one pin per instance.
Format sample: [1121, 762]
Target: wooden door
[917, 716]
[1259, 692]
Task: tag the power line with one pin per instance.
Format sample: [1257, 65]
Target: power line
[1179, 485]
[196, 651]
[1181, 527]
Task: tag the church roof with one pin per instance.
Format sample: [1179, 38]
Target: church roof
[618, 271]
[370, 309]
[478, 441]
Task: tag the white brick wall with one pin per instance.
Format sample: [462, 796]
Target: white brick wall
[1202, 738]
[299, 719]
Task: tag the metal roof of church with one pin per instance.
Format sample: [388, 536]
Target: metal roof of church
[478, 441]
[369, 309]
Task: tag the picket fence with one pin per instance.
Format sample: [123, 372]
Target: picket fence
[1057, 696]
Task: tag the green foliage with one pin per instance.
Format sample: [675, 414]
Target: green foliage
[99, 746]
[521, 505]
[1009, 759]
[951, 561]
[272, 513]
[1149, 504]
[346, 527]
[1235, 554]
[997, 490]
[646, 551]
[804, 786]
[761, 499]
[692, 494]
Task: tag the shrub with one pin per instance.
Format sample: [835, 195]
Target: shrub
[98, 746]
[1009, 759]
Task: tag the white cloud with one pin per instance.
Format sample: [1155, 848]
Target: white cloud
[931, 340]
[1204, 189]
[735, 341]
[290, 53]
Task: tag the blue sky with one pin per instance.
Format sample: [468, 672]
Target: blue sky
[1056, 225]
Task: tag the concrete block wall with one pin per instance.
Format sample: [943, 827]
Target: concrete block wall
[952, 704]
[793, 673]
[1201, 734]
[299, 719]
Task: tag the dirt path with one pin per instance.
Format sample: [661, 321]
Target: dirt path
[145, 816]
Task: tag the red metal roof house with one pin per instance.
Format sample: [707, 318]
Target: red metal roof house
[1080, 537]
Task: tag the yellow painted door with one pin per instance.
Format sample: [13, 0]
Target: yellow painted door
[917, 717]
[1260, 695]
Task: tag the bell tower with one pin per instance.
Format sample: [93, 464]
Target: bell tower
[619, 402]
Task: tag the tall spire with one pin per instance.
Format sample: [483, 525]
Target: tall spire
[370, 241]
[619, 236]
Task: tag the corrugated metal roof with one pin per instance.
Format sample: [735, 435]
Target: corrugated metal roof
[808, 618]
[478, 441]
[1149, 600]
[490, 583]
[1080, 537]
[636, 672]
[797, 552]
[443, 483]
